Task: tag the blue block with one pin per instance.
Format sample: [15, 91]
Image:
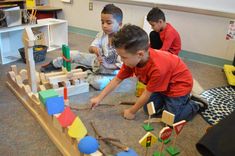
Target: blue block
[54, 105]
[130, 152]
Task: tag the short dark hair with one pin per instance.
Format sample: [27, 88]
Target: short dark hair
[113, 10]
[156, 14]
[131, 38]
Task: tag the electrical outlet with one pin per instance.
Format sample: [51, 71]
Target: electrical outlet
[90, 6]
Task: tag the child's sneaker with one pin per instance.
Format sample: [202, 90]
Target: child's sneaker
[199, 99]
[84, 68]
[49, 68]
[202, 106]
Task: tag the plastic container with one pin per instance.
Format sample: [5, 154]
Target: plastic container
[39, 53]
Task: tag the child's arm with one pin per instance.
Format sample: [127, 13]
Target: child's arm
[141, 101]
[109, 88]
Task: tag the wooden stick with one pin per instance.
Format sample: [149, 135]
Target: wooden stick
[108, 138]
[123, 147]
[126, 103]
[88, 108]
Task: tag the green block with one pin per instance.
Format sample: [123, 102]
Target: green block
[165, 141]
[43, 95]
[63, 53]
[148, 127]
[157, 153]
[173, 150]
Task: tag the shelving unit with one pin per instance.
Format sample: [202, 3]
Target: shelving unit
[55, 33]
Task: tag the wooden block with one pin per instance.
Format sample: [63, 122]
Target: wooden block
[168, 118]
[56, 123]
[165, 133]
[12, 75]
[42, 87]
[97, 153]
[54, 105]
[77, 130]
[19, 81]
[43, 95]
[23, 74]
[66, 118]
[148, 140]
[14, 69]
[151, 108]
[179, 126]
[43, 78]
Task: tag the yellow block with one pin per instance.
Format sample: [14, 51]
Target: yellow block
[77, 129]
[30, 3]
[140, 87]
[148, 140]
[228, 69]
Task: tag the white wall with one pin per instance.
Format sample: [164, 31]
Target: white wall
[199, 33]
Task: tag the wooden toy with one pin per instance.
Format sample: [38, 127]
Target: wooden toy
[28, 41]
[67, 117]
[172, 150]
[66, 57]
[88, 145]
[45, 94]
[164, 134]
[77, 130]
[25, 84]
[168, 118]
[112, 141]
[147, 141]
[54, 105]
[151, 111]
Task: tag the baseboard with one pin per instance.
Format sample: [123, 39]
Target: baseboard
[192, 56]
[82, 31]
[204, 58]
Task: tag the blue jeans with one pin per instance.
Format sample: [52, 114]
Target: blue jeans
[182, 107]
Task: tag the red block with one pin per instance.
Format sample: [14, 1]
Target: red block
[67, 117]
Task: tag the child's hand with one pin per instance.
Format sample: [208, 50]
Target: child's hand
[96, 51]
[127, 114]
[94, 102]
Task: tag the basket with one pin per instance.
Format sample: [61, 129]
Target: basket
[39, 53]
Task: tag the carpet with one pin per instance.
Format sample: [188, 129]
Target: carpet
[221, 103]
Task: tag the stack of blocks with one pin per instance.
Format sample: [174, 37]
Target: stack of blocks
[54, 105]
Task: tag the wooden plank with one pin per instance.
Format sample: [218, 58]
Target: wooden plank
[60, 78]
[74, 89]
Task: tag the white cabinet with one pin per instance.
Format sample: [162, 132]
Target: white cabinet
[55, 33]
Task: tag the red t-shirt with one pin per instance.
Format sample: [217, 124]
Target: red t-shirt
[164, 72]
[170, 39]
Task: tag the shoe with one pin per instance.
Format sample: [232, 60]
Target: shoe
[199, 99]
[202, 106]
[84, 68]
[49, 68]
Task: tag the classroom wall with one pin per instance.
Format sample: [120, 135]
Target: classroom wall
[200, 34]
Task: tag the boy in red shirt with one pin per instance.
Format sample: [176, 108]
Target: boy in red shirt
[164, 36]
[168, 80]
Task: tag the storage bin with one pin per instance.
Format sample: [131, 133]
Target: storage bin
[39, 53]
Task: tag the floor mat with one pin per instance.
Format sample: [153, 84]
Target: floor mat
[221, 102]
